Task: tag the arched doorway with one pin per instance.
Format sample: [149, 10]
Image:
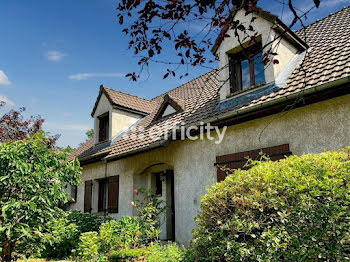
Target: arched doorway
[159, 178]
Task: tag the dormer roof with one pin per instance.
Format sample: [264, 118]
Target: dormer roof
[278, 25]
[125, 101]
[176, 104]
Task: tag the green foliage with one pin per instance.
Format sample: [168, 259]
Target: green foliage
[149, 210]
[122, 234]
[63, 234]
[33, 179]
[154, 253]
[128, 253]
[296, 209]
[89, 246]
[168, 253]
[60, 240]
[86, 222]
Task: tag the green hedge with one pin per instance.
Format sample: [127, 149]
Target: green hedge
[63, 235]
[156, 252]
[296, 209]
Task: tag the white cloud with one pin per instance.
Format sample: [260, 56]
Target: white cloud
[71, 127]
[7, 101]
[55, 56]
[3, 79]
[85, 76]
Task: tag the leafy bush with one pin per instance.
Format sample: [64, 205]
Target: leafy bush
[86, 222]
[122, 234]
[89, 245]
[296, 209]
[153, 253]
[62, 238]
[168, 253]
[134, 232]
[128, 253]
[63, 234]
[149, 210]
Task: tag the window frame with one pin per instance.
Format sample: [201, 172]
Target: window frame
[103, 122]
[235, 68]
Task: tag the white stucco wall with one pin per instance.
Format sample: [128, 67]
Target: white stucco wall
[311, 129]
[119, 120]
[231, 44]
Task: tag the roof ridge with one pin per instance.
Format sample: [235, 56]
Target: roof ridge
[124, 93]
[167, 92]
[323, 18]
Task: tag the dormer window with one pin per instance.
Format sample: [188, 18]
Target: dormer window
[103, 132]
[246, 69]
[169, 106]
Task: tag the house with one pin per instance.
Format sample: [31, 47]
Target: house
[297, 106]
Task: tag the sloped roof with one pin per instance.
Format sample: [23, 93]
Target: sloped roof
[274, 19]
[127, 101]
[327, 61]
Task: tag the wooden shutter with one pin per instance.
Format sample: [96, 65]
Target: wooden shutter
[101, 195]
[235, 75]
[88, 196]
[238, 160]
[73, 193]
[113, 194]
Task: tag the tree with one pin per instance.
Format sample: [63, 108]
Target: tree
[89, 134]
[155, 25]
[13, 126]
[33, 178]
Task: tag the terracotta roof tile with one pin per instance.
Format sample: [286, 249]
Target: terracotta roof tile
[328, 60]
[130, 101]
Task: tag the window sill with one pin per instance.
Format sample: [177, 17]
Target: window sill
[247, 90]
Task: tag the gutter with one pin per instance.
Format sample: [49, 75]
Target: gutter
[311, 90]
[308, 91]
[154, 145]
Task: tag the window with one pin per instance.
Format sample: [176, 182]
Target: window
[159, 184]
[73, 193]
[103, 133]
[88, 196]
[246, 70]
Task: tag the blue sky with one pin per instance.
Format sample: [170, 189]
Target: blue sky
[54, 55]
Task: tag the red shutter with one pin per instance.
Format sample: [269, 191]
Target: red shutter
[113, 194]
[88, 196]
[238, 160]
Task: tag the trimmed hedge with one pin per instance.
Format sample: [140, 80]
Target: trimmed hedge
[297, 209]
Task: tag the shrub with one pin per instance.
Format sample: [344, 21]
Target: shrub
[122, 234]
[86, 222]
[153, 253]
[165, 253]
[89, 245]
[149, 210]
[296, 209]
[62, 238]
[63, 234]
[128, 253]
